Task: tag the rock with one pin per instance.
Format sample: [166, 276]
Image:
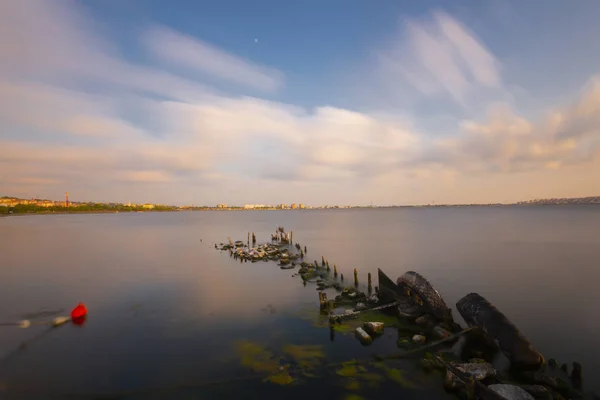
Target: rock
[360, 306]
[348, 312]
[363, 336]
[451, 381]
[419, 339]
[477, 371]
[287, 267]
[511, 392]
[538, 391]
[374, 327]
[424, 320]
[373, 299]
[440, 332]
[477, 361]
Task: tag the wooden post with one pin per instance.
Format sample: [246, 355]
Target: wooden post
[355, 277]
[369, 285]
[305, 251]
[323, 300]
[316, 264]
[248, 239]
[291, 237]
[322, 261]
[342, 277]
[327, 264]
[335, 271]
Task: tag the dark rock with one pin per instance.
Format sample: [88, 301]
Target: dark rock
[425, 320]
[538, 391]
[419, 339]
[511, 392]
[478, 371]
[440, 332]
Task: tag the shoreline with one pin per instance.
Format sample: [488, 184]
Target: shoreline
[306, 209]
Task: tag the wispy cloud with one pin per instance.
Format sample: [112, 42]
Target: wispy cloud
[438, 56]
[176, 48]
[248, 149]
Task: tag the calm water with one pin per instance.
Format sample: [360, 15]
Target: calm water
[166, 308]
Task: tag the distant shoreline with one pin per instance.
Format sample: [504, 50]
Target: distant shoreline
[306, 209]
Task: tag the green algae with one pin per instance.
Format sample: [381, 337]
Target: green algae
[256, 357]
[349, 325]
[280, 378]
[353, 397]
[260, 360]
[350, 369]
[395, 374]
[306, 356]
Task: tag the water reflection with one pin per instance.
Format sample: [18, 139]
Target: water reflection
[167, 308]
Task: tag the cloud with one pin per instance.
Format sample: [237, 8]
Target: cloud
[196, 54]
[68, 124]
[440, 56]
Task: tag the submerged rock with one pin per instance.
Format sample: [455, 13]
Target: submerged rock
[363, 336]
[478, 371]
[440, 332]
[419, 339]
[374, 327]
[360, 306]
[539, 392]
[511, 392]
[425, 320]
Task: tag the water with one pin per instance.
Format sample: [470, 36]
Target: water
[167, 309]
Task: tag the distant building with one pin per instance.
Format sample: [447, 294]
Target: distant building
[294, 206]
[221, 205]
[282, 206]
[148, 206]
[302, 206]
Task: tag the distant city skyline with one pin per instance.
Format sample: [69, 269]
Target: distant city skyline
[310, 102]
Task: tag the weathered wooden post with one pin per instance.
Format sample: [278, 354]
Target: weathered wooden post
[291, 237]
[342, 277]
[301, 254]
[322, 261]
[253, 239]
[305, 251]
[327, 264]
[248, 239]
[316, 264]
[323, 300]
[369, 285]
[334, 271]
[355, 277]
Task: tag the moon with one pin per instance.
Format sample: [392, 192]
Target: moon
[255, 40]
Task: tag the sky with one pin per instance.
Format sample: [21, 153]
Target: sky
[382, 102]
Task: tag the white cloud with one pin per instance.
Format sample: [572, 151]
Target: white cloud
[250, 149]
[440, 55]
[189, 52]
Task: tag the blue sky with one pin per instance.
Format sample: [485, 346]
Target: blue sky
[318, 102]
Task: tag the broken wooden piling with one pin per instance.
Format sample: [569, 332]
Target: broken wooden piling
[334, 271]
[355, 277]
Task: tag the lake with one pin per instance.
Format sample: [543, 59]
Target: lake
[171, 317]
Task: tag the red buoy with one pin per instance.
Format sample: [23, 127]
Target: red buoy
[79, 312]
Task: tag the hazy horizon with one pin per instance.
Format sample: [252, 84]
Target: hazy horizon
[382, 102]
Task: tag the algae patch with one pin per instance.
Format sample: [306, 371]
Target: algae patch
[307, 357]
[260, 360]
